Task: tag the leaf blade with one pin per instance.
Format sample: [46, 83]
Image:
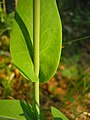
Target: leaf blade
[10, 109]
[21, 47]
[50, 40]
[57, 115]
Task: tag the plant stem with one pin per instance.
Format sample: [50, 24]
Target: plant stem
[36, 38]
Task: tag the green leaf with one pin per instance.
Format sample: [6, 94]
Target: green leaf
[21, 49]
[10, 110]
[6, 118]
[50, 39]
[57, 115]
[28, 111]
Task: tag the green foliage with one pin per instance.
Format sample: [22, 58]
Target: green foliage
[17, 110]
[7, 118]
[10, 109]
[1, 13]
[7, 24]
[22, 51]
[14, 110]
[50, 40]
[57, 115]
[28, 111]
[21, 47]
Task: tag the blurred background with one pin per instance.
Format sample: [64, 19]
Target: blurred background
[69, 89]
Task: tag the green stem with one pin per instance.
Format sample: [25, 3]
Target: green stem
[36, 38]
